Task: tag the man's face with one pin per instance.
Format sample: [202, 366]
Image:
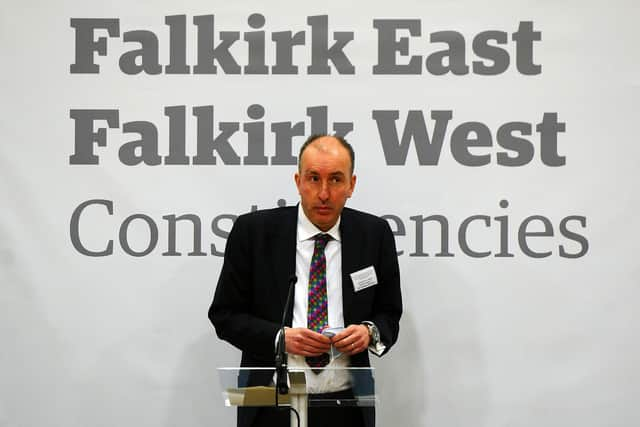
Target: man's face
[324, 181]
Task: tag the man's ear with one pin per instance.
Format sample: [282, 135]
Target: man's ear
[296, 178]
[353, 184]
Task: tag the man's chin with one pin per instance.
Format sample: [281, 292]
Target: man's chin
[324, 221]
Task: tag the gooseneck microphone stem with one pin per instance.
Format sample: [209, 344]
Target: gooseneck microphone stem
[282, 386]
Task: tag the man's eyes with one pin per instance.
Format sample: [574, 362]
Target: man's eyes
[333, 179]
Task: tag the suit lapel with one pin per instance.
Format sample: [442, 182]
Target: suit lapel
[284, 256]
[350, 247]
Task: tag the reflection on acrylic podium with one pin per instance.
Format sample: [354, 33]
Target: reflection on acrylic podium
[255, 387]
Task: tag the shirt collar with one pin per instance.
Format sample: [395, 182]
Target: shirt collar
[307, 230]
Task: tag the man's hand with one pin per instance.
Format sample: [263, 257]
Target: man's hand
[352, 340]
[305, 342]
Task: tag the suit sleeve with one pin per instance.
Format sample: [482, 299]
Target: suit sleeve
[388, 299]
[231, 310]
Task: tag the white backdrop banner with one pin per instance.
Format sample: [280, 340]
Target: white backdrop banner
[498, 140]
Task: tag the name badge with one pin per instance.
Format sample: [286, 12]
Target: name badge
[364, 278]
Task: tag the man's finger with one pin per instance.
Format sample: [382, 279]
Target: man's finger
[317, 337]
[310, 351]
[347, 332]
[321, 347]
[346, 345]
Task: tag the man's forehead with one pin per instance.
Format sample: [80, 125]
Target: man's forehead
[313, 165]
[325, 153]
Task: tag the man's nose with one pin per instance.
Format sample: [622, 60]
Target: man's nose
[323, 195]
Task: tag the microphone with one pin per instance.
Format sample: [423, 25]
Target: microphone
[281, 354]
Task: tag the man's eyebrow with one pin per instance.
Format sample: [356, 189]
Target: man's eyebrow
[314, 172]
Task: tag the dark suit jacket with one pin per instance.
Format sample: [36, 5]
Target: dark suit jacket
[259, 261]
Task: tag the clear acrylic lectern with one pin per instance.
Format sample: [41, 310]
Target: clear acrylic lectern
[255, 387]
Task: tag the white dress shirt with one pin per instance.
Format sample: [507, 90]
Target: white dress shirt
[329, 380]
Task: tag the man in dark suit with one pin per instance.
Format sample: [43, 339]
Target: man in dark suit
[266, 248]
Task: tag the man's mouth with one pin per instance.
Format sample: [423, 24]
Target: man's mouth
[323, 209]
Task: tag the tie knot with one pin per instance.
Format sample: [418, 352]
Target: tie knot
[321, 240]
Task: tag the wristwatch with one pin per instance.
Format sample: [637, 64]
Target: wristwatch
[374, 334]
